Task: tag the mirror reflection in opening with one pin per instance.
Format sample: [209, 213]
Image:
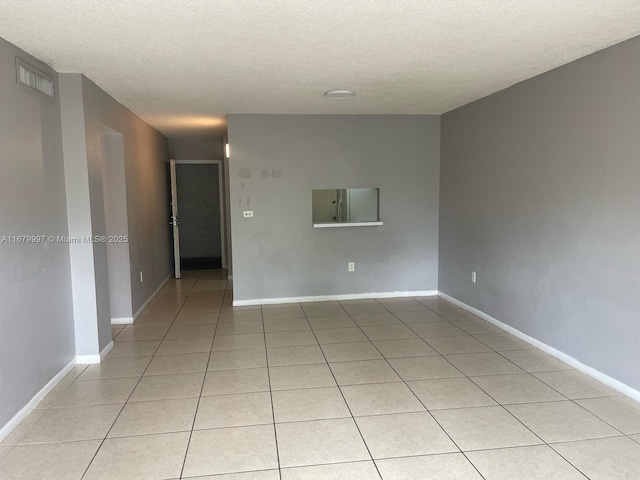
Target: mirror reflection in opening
[345, 205]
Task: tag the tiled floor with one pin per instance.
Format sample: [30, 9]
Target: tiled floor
[394, 389]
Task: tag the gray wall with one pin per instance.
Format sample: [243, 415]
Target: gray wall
[146, 171]
[276, 160]
[540, 196]
[36, 325]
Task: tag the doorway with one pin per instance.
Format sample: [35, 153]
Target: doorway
[197, 215]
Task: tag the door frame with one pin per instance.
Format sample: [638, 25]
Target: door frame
[219, 163]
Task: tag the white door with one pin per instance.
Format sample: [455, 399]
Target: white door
[174, 218]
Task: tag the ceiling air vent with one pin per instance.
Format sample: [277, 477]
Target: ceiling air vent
[34, 79]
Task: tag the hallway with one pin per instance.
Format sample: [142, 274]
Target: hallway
[394, 388]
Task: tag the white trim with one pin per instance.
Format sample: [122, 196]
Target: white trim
[93, 359]
[346, 224]
[37, 398]
[569, 360]
[229, 277]
[153, 295]
[324, 298]
[122, 321]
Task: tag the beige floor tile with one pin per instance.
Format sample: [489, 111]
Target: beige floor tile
[147, 457]
[51, 461]
[436, 329]
[561, 421]
[409, 347]
[364, 371]
[319, 442]
[620, 412]
[482, 428]
[374, 319]
[575, 385]
[341, 471]
[116, 368]
[161, 416]
[300, 355]
[4, 450]
[72, 424]
[25, 425]
[167, 387]
[301, 376]
[234, 410]
[340, 335]
[457, 344]
[337, 321]
[260, 475]
[535, 361]
[240, 328]
[134, 349]
[136, 333]
[363, 308]
[347, 352]
[195, 318]
[75, 373]
[225, 382]
[323, 310]
[241, 315]
[309, 404]
[524, 463]
[180, 363]
[501, 342]
[155, 320]
[189, 331]
[424, 368]
[635, 437]
[382, 398]
[280, 306]
[176, 346]
[477, 327]
[490, 363]
[96, 392]
[238, 359]
[519, 388]
[388, 332]
[423, 316]
[403, 435]
[616, 458]
[228, 450]
[451, 466]
[286, 324]
[445, 393]
[290, 312]
[290, 339]
[410, 306]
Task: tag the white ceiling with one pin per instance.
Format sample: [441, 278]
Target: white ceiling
[183, 64]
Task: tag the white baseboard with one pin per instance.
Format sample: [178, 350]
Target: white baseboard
[153, 295]
[325, 298]
[33, 403]
[569, 360]
[92, 359]
[229, 277]
[122, 321]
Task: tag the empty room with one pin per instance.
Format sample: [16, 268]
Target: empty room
[288, 240]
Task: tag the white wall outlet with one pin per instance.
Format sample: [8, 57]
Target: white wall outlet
[351, 266]
[473, 277]
[141, 276]
[247, 214]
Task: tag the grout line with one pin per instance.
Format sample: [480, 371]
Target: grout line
[273, 413]
[344, 399]
[204, 379]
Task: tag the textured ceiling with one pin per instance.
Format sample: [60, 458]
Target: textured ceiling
[182, 64]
